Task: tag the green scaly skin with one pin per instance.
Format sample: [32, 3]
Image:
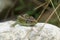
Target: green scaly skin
[24, 22]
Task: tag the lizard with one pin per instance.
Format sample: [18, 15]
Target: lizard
[25, 20]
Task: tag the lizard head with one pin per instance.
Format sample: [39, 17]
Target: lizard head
[26, 20]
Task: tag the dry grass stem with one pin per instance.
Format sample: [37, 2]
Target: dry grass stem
[42, 12]
[55, 11]
[39, 6]
[52, 13]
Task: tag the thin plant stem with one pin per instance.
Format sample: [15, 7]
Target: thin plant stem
[55, 11]
[39, 6]
[42, 12]
[52, 13]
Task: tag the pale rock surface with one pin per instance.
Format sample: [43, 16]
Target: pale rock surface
[49, 32]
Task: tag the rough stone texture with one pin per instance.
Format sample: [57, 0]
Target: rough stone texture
[49, 32]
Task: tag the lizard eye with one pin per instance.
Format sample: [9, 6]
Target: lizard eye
[27, 21]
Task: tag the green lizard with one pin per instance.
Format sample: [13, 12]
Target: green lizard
[25, 20]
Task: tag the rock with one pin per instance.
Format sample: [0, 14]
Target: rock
[48, 32]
